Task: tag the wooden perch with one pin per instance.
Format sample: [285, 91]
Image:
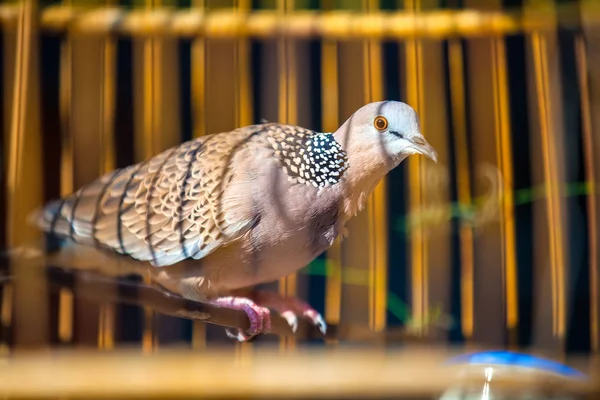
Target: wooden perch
[104, 289]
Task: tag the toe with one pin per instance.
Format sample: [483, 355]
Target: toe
[317, 320]
[255, 315]
[291, 319]
[259, 317]
[266, 320]
[237, 334]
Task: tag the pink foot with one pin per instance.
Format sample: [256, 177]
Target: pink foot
[290, 308]
[260, 317]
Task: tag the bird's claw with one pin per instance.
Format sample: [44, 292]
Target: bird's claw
[260, 317]
[291, 308]
[238, 334]
[312, 315]
[316, 319]
[291, 319]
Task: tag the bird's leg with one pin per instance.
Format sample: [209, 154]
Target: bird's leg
[260, 317]
[289, 308]
[198, 288]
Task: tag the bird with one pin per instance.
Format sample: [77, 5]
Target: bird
[213, 217]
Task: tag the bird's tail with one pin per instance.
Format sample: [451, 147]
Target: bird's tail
[36, 249]
[47, 217]
[56, 247]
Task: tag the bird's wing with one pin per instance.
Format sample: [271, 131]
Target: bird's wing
[163, 210]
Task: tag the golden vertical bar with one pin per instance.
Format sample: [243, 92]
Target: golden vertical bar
[294, 71]
[428, 182]
[10, 51]
[199, 81]
[24, 182]
[65, 299]
[457, 92]
[550, 214]
[109, 78]
[199, 121]
[377, 204]
[495, 295]
[590, 173]
[507, 216]
[158, 117]
[418, 257]
[86, 111]
[287, 73]
[355, 308]
[244, 88]
[10, 54]
[243, 106]
[556, 259]
[219, 85]
[288, 114]
[222, 78]
[330, 102]
[150, 146]
[243, 115]
[588, 55]
[108, 163]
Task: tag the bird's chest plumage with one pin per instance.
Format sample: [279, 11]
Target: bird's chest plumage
[292, 193]
[297, 225]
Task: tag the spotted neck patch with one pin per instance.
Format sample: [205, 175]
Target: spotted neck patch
[309, 157]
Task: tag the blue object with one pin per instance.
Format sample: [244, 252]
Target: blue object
[508, 358]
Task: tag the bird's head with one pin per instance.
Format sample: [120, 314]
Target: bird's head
[380, 135]
[386, 130]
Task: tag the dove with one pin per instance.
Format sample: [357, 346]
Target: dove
[216, 216]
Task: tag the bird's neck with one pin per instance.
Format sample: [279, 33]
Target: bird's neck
[361, 179]
[363, 172]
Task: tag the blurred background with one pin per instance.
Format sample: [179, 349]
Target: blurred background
[496, 246]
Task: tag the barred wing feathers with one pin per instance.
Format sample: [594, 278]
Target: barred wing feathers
[163, 210]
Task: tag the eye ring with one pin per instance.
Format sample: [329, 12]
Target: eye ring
[380, 123]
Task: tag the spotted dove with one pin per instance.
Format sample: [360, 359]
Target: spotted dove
[225, 212]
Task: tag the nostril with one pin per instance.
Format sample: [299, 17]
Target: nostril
[419, 140]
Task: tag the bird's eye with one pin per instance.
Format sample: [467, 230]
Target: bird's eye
[380, 123]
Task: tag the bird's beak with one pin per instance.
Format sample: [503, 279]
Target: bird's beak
[422, 146]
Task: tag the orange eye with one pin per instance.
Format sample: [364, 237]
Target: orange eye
[380, 123]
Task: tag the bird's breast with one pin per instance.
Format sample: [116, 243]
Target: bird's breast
[296, 223]
[293, 230]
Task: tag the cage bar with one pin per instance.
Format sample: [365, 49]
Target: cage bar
[340, 24]
[330, 118]
[550, 216]
[24, 184]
